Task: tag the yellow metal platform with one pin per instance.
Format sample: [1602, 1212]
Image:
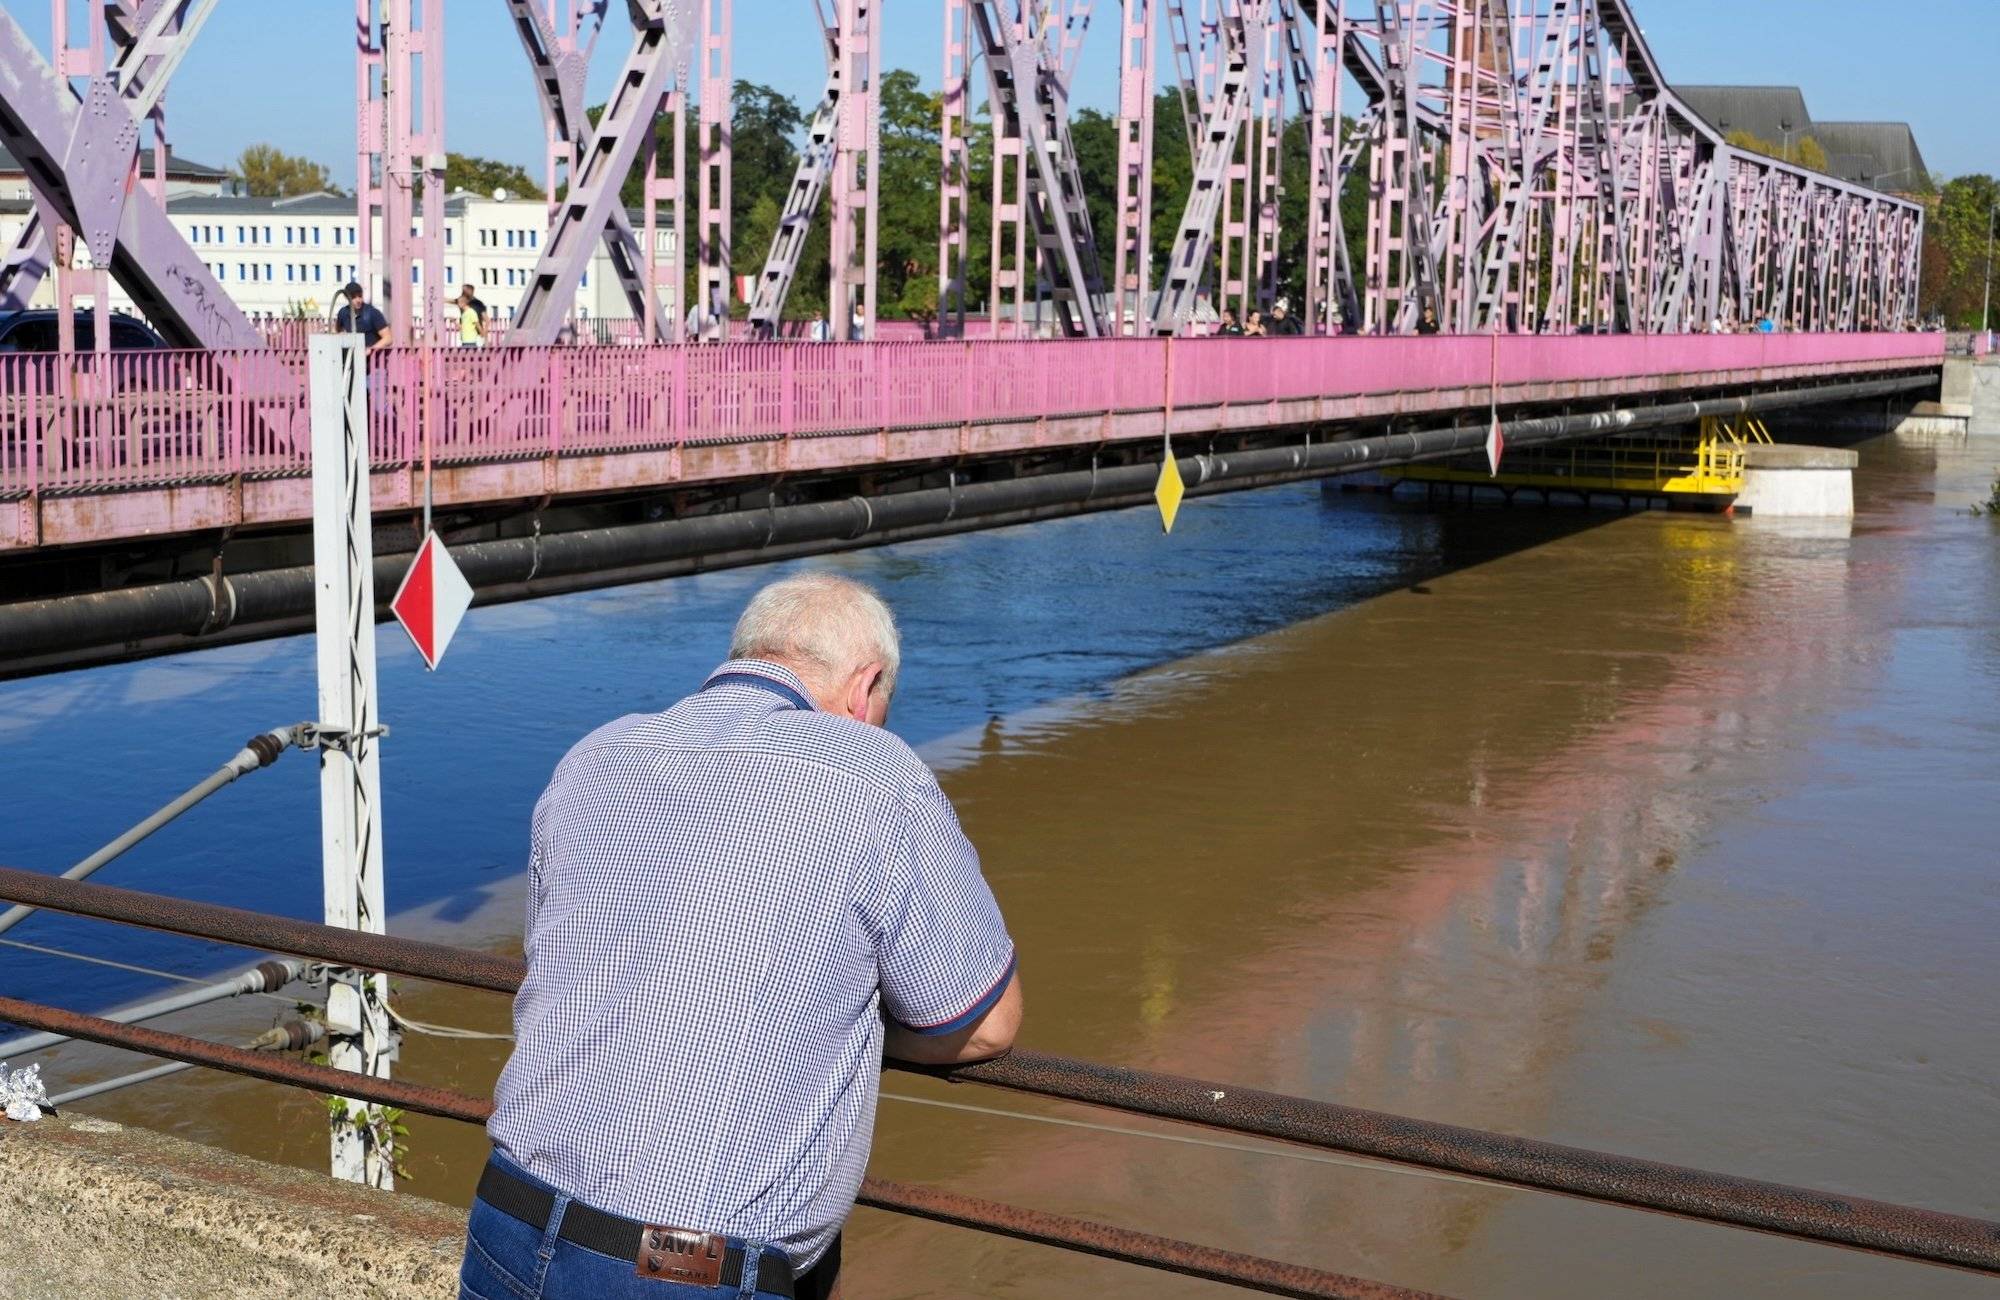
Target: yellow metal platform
[1703, 465]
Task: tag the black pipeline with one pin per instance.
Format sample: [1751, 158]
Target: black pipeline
[519, 568]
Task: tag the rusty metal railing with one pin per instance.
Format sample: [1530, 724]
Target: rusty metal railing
[1900, 1231]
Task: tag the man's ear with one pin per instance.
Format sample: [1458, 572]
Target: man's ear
[859, 688]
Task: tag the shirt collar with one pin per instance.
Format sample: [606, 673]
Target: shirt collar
[763, 668]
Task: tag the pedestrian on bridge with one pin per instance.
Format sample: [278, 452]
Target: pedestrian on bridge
[471, 318]
[735, 908]
[362, 317]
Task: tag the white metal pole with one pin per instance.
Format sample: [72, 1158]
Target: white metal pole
[1986, 301]
[357, 1019]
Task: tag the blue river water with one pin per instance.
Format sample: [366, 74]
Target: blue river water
[994, 623]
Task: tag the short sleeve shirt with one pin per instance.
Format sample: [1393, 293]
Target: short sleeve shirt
[370, 324]
[725, 901]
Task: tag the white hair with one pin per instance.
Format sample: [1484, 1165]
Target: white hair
[821, 625]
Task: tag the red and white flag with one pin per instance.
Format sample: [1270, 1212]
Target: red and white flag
[433, 598]
[1496, 443]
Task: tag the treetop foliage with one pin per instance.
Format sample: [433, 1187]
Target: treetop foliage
[270, 173]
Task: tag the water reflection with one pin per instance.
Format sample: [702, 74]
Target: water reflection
[1605, 839]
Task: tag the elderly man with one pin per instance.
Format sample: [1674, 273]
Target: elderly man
[735, 908]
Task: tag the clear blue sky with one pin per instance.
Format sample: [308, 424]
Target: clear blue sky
[282, 71]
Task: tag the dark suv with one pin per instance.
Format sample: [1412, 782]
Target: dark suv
[34, 330]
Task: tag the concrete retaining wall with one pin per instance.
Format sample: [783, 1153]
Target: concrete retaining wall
[98, 1211]
[1985, 417]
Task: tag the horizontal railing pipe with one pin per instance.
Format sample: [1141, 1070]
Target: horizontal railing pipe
[1165, 1253]
[416, 958]
[1828, 1217]
[1246, 1271]
[264, 977]
[1831, 1218]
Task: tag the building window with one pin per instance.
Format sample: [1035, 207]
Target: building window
[451, 275]
[219, 272]
[510, 239]
[267, 235]
[586, 280]
[447, 236]
[534, 239]
[239, 235]
[413, 274]
[267, 272]
[315, 234]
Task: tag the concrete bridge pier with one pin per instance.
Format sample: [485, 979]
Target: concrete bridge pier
[1787, 480]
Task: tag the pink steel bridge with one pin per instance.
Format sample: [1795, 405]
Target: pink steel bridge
[163, 444]
[1531, 179]
[1527, 164]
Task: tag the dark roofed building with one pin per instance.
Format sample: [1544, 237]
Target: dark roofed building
[1774, 113]
[1883, 155]
[183, 175]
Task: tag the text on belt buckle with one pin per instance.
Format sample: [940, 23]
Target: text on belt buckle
[679, 1255]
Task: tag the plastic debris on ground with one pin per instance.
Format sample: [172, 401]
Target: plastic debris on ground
[22, 1095]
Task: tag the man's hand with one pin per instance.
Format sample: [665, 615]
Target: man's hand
[986, 1037]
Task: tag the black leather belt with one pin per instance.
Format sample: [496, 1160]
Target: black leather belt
[657, 1251]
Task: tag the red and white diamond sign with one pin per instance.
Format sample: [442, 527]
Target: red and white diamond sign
[433, 598]
[1495, 444]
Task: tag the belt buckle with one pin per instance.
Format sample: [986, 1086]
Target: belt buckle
[679, 1255]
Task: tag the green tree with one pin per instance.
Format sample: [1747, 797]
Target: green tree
[1955, 243]
[1804, 150]
[485, 175]
[269, 173]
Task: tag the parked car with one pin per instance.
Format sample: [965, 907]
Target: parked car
[35, 330]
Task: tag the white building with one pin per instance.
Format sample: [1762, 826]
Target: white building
[183, 176]
[281, 258]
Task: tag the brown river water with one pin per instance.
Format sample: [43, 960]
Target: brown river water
[1675, 835]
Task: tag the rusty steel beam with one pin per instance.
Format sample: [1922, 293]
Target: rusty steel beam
[1831, 1218]
[1250, 1272]
[422, 1099]
[1787, 1211]
[1087, 1238]
[415, 958]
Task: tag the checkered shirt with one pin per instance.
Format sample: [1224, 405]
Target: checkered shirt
[725, 900]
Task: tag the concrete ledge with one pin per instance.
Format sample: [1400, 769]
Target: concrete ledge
[1787, 455]
[99, 1211]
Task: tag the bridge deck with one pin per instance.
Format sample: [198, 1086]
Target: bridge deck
[147, 444]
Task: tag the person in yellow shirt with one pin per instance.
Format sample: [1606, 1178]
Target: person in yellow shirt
[471, 319]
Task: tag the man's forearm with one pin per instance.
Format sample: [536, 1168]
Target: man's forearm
[983, 1039]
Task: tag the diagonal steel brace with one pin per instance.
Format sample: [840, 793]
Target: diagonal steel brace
[665, 32]
[70, 148]
[559, 84]
[150, 47]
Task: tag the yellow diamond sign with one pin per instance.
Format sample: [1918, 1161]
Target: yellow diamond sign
[1169, 491]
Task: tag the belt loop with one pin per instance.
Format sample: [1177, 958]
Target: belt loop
[553, 1228]
[753, 1256]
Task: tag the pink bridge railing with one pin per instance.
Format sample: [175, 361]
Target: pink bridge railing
[88, 423]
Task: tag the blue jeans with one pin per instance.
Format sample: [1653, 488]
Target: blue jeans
[506, 1259]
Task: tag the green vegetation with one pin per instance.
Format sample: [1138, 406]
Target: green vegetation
[766, 125]
[484, 175]
[271, 173]
[1802, 149]
[1991, 505]
[1955, 244]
